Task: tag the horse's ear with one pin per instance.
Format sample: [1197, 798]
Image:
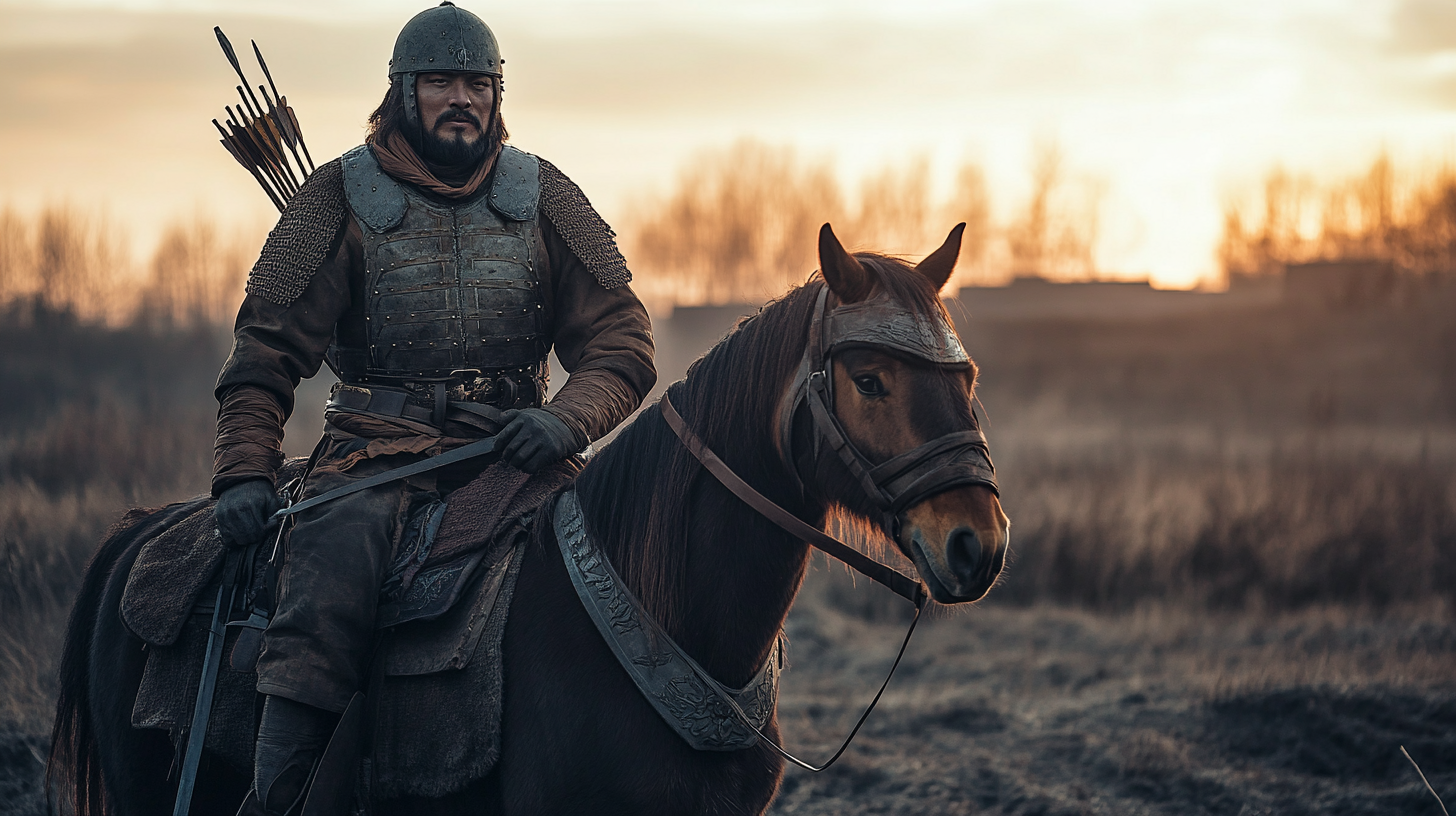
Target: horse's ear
[846, 276]
[938, 265]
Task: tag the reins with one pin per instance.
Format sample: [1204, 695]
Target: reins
[954, 459]
[896, 581]
[899, 583]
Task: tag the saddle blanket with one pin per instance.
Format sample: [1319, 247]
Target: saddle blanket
[440, 647]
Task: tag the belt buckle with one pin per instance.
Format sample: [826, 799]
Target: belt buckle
[506, 391]
[466, 375]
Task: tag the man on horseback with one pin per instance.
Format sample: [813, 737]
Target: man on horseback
[433, 269]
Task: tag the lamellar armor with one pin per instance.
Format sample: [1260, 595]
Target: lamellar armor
[451, 291]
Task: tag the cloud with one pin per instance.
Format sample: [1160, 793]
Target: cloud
[1423, 26]
[1162, 99]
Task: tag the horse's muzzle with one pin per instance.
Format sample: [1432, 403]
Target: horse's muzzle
[958, 542]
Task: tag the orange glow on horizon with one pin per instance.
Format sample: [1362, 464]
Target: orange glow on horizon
[1161, 115]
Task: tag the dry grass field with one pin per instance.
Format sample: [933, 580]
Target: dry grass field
[1233, 586]
[1163, 710]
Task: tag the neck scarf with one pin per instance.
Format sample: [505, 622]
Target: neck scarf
[401, 161]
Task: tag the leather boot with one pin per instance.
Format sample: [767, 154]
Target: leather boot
[291, 738]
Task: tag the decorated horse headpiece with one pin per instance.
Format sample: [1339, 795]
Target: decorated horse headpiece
[879, 321]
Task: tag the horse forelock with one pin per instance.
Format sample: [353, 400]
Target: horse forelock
[898, 279]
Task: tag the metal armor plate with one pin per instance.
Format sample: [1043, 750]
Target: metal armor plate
[449, 287]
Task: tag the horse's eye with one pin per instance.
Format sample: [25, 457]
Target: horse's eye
[869, 385]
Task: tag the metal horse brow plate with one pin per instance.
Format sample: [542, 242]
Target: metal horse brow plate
[882, 322]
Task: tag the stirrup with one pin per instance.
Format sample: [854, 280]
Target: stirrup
[253, 806]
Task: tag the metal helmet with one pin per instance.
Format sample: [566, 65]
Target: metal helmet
[442, 39]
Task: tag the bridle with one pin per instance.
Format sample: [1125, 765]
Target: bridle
[949, 461]
[943, 463]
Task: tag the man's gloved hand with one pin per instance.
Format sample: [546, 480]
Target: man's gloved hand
[534, 438]
[243, 510]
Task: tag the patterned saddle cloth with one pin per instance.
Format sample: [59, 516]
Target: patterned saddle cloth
[443, 605]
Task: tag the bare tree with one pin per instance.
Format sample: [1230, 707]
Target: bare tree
[1056, 234]
[740, 224]
[970, 202]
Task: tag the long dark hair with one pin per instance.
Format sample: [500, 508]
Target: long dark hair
[389, 118]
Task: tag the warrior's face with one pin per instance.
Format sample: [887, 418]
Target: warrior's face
[454, 108]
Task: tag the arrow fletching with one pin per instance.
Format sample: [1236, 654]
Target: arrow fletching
[264, 140]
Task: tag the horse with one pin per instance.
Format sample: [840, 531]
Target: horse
[577, 736]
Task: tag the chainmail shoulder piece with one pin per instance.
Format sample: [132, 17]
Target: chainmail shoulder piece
[299, 242]
[585, 233]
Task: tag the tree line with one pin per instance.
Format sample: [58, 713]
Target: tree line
[1406, 218]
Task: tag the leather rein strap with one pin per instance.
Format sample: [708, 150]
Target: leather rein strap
[480, 447]
[899, 583]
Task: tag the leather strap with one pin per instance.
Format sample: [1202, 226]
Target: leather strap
[478, 448]
[897, 582]
[394, 403]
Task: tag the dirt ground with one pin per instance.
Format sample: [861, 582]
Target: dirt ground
[1046, 711]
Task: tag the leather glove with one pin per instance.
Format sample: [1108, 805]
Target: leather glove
[243, 510]
[534, 438]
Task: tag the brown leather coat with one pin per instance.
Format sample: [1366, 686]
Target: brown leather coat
[602, 337]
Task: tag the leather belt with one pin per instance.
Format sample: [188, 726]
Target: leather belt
[395, 404]
[385, 402]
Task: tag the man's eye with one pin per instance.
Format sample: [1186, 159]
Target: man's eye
[869, 385]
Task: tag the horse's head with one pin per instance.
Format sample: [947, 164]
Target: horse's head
[885, 392]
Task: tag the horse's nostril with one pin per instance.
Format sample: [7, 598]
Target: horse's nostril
[963, 553]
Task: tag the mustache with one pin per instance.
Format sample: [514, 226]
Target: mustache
[457, 115]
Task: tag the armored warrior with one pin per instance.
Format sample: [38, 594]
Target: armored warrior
[433, 268]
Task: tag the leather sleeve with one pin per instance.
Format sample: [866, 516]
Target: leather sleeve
[249, 438]
[603, 338]
[274, 347]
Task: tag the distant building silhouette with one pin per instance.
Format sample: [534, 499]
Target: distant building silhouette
[1344, 284]
[1032, 297]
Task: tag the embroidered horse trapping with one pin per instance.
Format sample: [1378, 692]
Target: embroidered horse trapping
[683, 693]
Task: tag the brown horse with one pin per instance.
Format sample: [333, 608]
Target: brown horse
[577, 735]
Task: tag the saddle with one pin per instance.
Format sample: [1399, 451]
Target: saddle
[442, 614]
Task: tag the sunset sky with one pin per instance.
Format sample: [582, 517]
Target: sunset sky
[1170, 108]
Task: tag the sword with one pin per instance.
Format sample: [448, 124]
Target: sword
[207, 685]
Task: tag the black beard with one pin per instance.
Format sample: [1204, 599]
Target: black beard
[456, 151]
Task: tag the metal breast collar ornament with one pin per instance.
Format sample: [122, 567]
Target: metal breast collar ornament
[950, 461]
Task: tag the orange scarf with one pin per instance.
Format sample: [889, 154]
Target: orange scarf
[401, 161]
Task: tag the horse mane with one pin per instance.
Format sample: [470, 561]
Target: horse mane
[639, 513]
